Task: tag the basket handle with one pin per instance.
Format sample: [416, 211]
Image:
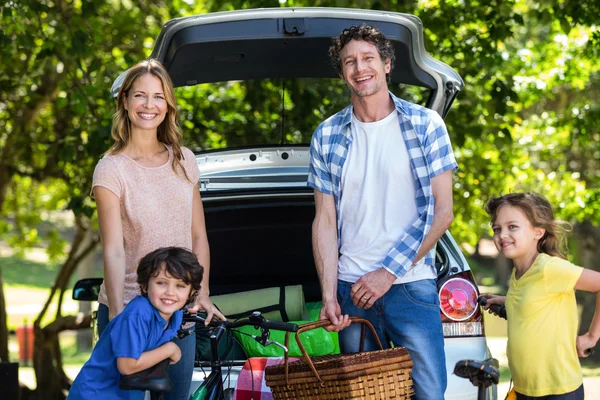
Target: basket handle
[321, 324]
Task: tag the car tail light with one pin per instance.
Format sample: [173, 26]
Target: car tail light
[458, 305]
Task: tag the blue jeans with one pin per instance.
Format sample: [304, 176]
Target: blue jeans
[577, 394]
[180, 373]
[407, 315]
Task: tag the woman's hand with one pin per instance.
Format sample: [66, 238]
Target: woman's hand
[202, 302]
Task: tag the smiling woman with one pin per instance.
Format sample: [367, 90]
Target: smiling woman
[147, 197]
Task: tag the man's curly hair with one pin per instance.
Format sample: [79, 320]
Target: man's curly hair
[368, 34]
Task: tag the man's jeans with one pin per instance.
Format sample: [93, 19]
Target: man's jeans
[407, 315]
[181, 372]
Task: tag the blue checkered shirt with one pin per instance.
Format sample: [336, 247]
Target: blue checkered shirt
[430, 151]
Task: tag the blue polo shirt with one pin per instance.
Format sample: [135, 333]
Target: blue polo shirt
[137, 329]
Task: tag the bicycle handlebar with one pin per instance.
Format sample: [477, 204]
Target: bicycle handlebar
[255, 319]
[498, 309]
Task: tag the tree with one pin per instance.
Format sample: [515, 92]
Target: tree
[59, 59]
[525, 120]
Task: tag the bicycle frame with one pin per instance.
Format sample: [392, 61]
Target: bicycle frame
[213, 384]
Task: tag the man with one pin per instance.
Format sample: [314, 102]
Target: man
[382, 173]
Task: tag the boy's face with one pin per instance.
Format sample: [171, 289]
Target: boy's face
[167, 293]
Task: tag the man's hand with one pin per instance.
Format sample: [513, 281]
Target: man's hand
[174, 351]
[370, 287]
[202, 302]
[332, 311]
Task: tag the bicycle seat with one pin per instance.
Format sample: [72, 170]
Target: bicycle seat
[480, 373]
[154, 379]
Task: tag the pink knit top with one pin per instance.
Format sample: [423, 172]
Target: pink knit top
[156, 208]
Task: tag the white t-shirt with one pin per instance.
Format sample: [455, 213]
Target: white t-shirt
[378, 200]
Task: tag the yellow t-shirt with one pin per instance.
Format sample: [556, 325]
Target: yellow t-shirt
[542, 328]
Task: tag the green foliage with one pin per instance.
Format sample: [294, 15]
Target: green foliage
[526, 119]
[58, 62]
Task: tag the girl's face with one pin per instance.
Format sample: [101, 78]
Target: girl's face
[514, 236]
[167, 293]
[145, 103]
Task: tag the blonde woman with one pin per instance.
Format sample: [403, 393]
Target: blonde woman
[147, 197]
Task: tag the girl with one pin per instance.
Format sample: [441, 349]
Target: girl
[147, 197]
[542, 313]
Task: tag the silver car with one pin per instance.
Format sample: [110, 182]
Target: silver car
[258, 207]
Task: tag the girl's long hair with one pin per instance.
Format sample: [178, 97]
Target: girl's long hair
[540, 214]
[168, 132]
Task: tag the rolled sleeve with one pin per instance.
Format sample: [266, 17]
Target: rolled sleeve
[439, 153]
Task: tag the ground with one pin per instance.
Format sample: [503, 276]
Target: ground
[27, 287]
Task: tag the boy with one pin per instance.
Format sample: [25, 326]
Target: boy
[140, 336]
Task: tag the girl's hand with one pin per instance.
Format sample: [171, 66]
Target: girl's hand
[203, 302]
[585, 342]
[493, 299]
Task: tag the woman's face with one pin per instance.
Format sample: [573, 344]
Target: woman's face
[145, 103]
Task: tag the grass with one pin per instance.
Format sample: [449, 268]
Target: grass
[27, 284]
[17, 272]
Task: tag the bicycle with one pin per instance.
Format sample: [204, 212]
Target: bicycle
[156, 380]
[482, 374]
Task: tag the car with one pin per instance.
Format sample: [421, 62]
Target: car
[258, 207]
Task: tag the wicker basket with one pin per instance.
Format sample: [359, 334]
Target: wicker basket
[373, 375]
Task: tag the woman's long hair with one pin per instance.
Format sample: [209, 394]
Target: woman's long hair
[168, 132]
[540, 214]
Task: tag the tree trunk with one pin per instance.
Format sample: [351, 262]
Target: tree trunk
[52, 382]
[85, 337]
[588, 238]
[3, 324]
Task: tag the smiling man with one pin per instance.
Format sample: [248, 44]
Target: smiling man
[382, 174]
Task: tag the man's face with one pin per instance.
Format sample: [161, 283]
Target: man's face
[363, 70]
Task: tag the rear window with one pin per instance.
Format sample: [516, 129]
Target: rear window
[265, 112]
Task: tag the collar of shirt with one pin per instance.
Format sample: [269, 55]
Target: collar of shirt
[345, 116]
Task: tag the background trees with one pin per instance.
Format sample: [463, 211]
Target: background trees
[526, 120]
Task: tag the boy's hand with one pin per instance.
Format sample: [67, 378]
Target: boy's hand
[174, 351]
[584, 344]
[203, 302]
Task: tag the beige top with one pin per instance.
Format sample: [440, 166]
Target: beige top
[156, 208]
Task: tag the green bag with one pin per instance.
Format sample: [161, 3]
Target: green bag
[317, 342]
[276, 304]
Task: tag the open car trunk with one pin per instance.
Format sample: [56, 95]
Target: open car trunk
[262, 242]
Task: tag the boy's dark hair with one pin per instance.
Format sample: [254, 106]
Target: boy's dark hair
[368, 34]
[540, 214]
[178, 262]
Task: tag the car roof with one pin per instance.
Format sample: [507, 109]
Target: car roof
[292, 43]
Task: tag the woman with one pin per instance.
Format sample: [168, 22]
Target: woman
[147, 197]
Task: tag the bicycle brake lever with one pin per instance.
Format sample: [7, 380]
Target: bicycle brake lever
[270, 342]
[265, 341]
